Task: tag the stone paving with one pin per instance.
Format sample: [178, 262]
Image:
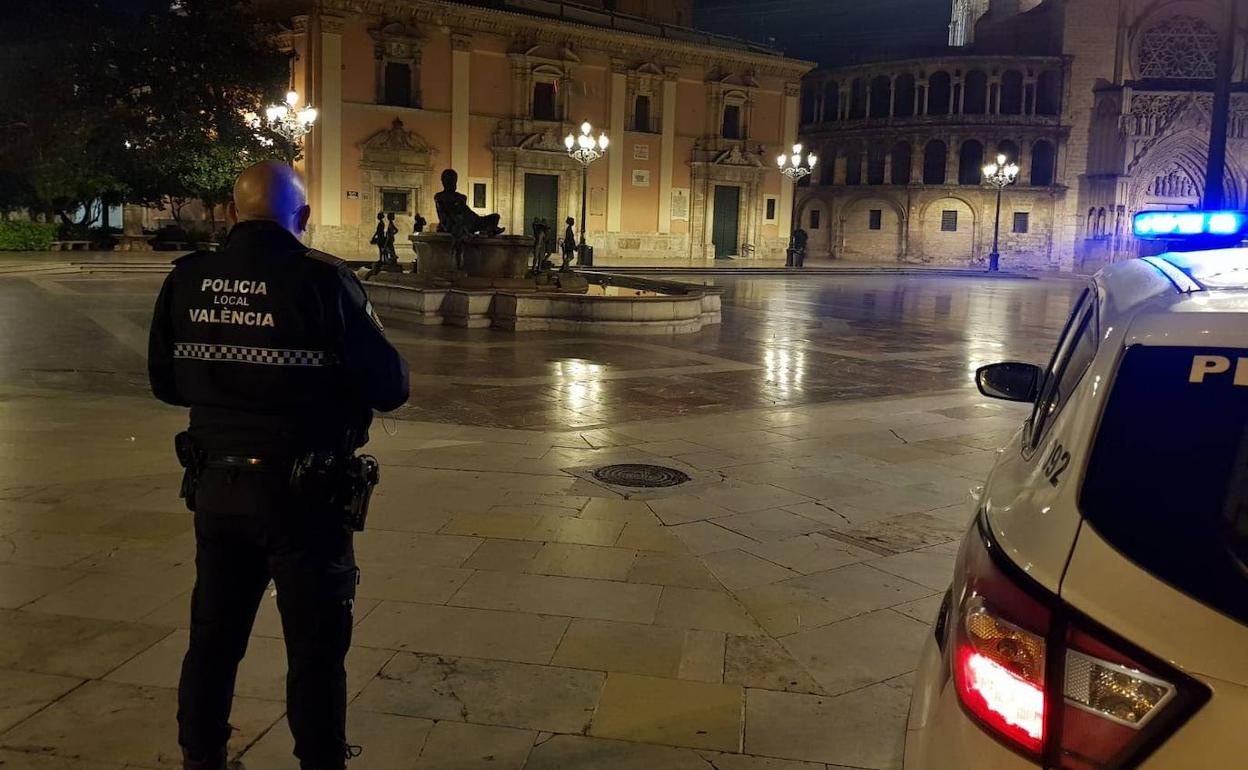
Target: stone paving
[513, 613]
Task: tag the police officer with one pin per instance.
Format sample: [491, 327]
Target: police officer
[278, 354]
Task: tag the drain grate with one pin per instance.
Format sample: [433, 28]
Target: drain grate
[640, 476]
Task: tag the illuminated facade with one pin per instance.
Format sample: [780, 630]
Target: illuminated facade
[407, 88]
[1104, 104]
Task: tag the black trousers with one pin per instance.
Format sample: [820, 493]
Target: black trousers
[248, 530]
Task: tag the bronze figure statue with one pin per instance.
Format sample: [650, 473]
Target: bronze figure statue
[454, 214]
[379, 238]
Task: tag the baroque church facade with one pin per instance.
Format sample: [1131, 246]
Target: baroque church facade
[1104, 104]
[408, 88]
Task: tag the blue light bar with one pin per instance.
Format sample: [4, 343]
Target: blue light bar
[1152, 225]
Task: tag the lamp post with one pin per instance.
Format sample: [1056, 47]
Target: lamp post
[585, 149]
[796, 167]
[1000, 175]
[287, 122]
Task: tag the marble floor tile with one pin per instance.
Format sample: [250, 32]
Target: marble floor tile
[671, 712]
[826, 597]
[612, 509]
[485, 692]
[702, 537]
[702, 657]
[111, 596]
[429, 585]
[628, 648]
[128, 724]
[23, 693]
[262, 674]
[464, 746]
[553, 595]
[862, 729]
[71, 646]
[762, 662]
[504, 555]
[707, 610]
[377, 547]
[583, 561]
[667, 569]
[922, 610]
[770, 525]
[21, 760]
[458, 631]
[808, 554]
[737, 569]
[575, 752]
[682, 509]
[746, 498]
[21, 584]
[747, 762]
[389, 741]
[646, 536]
[860, 651]
[931, 567]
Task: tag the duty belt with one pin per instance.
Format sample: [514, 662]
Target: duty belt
[237, 461]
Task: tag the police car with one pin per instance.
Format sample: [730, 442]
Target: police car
[1098, 613]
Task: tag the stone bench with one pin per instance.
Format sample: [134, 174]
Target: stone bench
[71, 245]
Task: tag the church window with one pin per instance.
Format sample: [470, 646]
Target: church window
[1022, 221]
[901, 164]
[1179, 47]
[971, 162]
[771, 209]
[903, 96]
[1043, 158]
[875, 164]
[934, 162]
[814, 219]
[545, 101]
[858, 99]
[949, 221]
[875, 219]
[732, 121]
[642, 120]
[975, 93]
[398, 87]
[1012, 93]
[394, 201]
[939, 93]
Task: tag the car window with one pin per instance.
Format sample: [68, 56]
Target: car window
[1071, 359]
[1173, 496]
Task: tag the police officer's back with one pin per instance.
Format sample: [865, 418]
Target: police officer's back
[281, 360]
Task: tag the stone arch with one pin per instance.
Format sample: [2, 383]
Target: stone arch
[975, 93]
[935, 162]
[818, 240]
[971, 162]
[903, 160]
[939, 93]
[940, 245]
[881, 96]
[903, 95]
[857, 99]
[1185, 155]
[1011, 93]
[862, 243]
[1049, 93]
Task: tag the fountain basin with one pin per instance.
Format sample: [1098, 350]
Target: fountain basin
[623, 305]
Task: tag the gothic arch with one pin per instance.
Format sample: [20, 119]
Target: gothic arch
[1185, 152]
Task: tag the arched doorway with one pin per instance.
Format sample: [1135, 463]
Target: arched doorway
[872, 231]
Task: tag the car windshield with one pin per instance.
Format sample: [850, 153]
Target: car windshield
[1167, 482]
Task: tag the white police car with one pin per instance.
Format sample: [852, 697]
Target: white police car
[1098, 615]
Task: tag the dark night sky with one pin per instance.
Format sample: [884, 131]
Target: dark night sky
[832, 31]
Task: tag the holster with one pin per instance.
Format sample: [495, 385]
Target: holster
[191, 458]
[344, 483]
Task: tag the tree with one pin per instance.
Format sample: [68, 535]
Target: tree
[134, 100]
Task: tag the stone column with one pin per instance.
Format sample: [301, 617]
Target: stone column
[461, 62]
[840, 170]
[789, 118]
[870, 91]
[917, 150]
[953, 159]
[615, 160]
[888, 165]
[667, 150]
[1024, 161]
[994, 96]
[892, 95]
[329, 123]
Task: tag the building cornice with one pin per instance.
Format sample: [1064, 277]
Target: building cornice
[628, 45]
[935, 62]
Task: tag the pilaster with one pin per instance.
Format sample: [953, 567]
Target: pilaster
[789, 118]
[615, 160]
[329, 121]
[667, 151]
[461, 80]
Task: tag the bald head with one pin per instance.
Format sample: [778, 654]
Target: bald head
[271, 191]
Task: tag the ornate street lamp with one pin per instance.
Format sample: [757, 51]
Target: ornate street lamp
[796, 167]
[585, 149]
[284, 120]
[999, 175]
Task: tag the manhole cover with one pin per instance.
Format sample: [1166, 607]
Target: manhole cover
[637, 475]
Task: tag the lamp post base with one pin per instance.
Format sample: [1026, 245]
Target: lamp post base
[994, 262]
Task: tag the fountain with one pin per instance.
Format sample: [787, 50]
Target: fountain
[470, 274]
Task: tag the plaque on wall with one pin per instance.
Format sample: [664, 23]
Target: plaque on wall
[641, 177]
[597, 201]
[680, 203]
[353, 195]
[641, 152]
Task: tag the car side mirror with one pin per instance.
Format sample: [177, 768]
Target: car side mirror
[1011, 381]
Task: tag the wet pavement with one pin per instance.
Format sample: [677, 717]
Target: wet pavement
[514, 613]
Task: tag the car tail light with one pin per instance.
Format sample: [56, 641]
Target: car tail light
[1030, 674]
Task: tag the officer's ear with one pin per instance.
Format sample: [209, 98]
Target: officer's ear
[301, 218]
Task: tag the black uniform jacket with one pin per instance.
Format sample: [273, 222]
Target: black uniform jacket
[273, 346]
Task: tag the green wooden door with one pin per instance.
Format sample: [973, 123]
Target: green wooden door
[724, 225]
[541, 199]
